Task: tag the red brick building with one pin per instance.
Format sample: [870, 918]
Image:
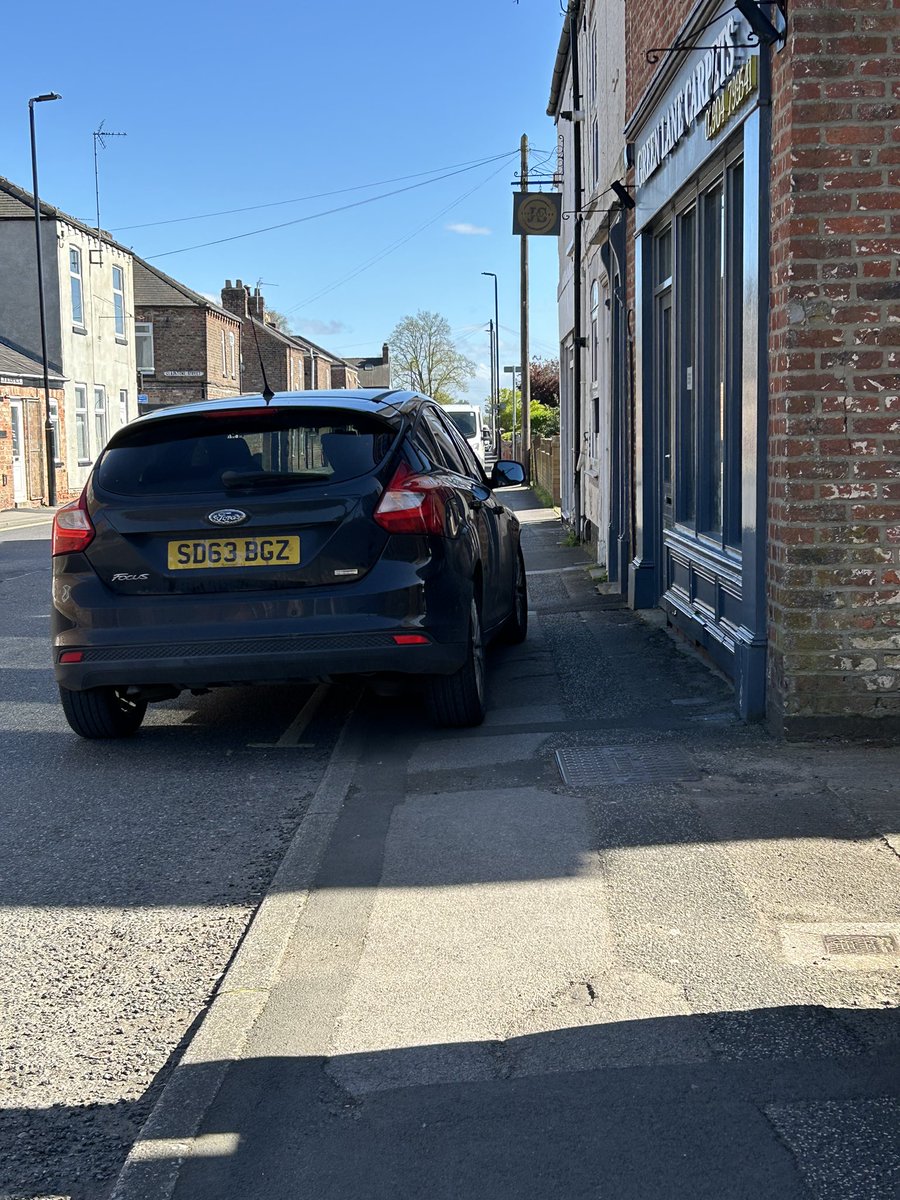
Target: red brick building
[23, 460]
[754, 344]
[188, 347]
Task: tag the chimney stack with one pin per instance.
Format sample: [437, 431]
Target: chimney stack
[236, 299]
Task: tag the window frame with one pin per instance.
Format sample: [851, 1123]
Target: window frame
[82, 425]
[119, 302]
[100, 414]
[691, 348]
[143, 338]
[76, 284]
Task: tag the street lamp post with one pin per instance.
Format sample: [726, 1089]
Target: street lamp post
[495, 365]
[49, 430]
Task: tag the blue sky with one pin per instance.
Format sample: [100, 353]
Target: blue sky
[228, 106]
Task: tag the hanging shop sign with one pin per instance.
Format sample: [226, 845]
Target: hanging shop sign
[706, 82]
[537, 214]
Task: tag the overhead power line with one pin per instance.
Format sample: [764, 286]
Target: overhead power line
[328, 212]
[358, 187]
[400, 241]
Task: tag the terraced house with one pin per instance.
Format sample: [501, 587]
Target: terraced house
[89, 297]
[729, 333]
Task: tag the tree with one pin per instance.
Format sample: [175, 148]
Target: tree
[544, 418]
[279, 320]
[544, 376]
[424, 358]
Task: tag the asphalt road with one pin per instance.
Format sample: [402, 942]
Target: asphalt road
[128, 874]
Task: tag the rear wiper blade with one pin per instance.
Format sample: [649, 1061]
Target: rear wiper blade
[239, 479]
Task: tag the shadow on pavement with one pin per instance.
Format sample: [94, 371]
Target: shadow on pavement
[797, 1102]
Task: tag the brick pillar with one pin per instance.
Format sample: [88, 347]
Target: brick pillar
[834, 424]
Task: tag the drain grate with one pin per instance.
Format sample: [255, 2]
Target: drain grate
[859, 943]
[624, 764]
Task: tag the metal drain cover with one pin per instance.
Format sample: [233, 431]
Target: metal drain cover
[859, 943]
[624, 764]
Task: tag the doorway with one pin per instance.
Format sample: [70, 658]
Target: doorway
[20, 487]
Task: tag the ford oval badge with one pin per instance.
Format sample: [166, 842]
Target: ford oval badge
[227, 516]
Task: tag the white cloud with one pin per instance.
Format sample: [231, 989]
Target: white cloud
[469, 230]
[313, 328]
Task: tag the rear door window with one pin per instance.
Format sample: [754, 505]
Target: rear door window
[241, 450]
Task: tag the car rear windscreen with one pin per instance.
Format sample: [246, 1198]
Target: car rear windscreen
[239, 451]
[465, 423]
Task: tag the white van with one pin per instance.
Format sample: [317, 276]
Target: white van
[468, 420]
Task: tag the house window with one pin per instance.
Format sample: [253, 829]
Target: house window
[143, 344]
[75, 281]
[595, 331]
[82, 434]
[224, 360]
[123, 406]
[100, 417]
[118, 277]
[231, 344]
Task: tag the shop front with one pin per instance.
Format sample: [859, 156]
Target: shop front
[700, 148]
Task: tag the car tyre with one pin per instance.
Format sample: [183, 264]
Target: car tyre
[458, 700]
[515, 630]
[103, 712]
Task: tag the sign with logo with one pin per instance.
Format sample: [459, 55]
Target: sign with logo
[537, 214]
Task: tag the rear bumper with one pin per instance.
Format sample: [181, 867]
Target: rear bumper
[218, 639]
[254, 660]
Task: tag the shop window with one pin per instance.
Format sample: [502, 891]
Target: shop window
[699, 398]
[686, 370]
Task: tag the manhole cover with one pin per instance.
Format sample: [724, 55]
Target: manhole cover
[624, 764]
[859, 943]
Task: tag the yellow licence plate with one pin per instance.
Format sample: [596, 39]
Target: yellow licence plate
[234, 552]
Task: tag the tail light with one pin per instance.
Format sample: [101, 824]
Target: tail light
[72, 528]
[413, 504]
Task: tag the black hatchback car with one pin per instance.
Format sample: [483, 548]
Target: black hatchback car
[320, 535]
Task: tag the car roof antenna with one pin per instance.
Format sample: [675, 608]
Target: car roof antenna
[267, 393]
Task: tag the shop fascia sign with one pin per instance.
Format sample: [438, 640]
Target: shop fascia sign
[710, 82]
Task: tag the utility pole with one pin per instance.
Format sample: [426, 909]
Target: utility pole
[495, 383]
[523, 326]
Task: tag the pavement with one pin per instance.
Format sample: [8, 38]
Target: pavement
[24, 518]
[614, 943]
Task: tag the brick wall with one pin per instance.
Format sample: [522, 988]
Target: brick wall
[222, 379]
[179, 344]
[834, 427]
[648, 23]
[33, 430]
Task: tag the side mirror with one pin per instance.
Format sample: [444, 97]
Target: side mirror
[507, 473]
